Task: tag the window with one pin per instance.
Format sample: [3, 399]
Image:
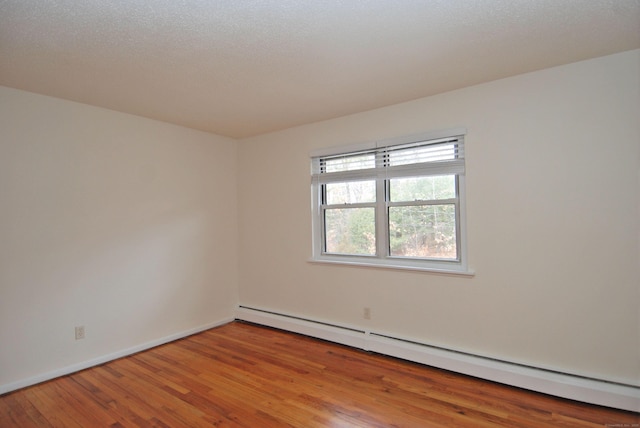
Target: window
[397, 203]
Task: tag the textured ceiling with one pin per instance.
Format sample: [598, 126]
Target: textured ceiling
[246, 67]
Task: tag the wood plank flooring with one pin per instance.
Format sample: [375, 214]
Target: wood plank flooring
[243, 375]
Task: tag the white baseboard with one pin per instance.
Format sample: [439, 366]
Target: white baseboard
[588, 390]
[106, 358]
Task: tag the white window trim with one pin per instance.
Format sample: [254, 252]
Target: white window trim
[458, 267]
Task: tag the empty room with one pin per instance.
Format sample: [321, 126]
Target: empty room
[368, 213]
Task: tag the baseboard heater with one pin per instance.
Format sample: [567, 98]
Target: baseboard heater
[585, 389]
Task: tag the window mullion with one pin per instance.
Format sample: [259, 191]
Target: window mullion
[420, 202]
[319, 223]
[382, 212]
[353, 205]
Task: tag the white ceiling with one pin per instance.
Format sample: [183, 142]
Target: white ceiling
[246, 67]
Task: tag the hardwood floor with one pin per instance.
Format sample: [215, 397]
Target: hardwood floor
[242, 375]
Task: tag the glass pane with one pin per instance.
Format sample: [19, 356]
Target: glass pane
[430, 153]
[422, 188]
[350, 192]
[427, 231]
[350, 231]
[349, 163]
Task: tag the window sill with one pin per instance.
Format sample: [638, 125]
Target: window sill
[395, 266]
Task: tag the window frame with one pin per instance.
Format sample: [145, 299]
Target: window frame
[382, 177]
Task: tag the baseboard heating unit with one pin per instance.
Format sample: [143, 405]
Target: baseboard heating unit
[585, 389]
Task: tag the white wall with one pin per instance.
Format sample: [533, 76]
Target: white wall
[130, 227]
[122, 224]
[553, 184]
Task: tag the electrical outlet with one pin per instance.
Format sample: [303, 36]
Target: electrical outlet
[80, 332]
[367, 313]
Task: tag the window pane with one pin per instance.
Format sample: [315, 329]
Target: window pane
[422, 188]
[350, 192]
[349, 163]
[427, 231]
[430, 153]
[350, 231]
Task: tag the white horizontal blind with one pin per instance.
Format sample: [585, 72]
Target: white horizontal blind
[430, 157]
[348, 162]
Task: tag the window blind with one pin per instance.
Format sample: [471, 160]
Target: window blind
[427, 157]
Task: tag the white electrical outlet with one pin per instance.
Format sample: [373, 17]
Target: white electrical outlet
[367, 313]
[80, 332]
